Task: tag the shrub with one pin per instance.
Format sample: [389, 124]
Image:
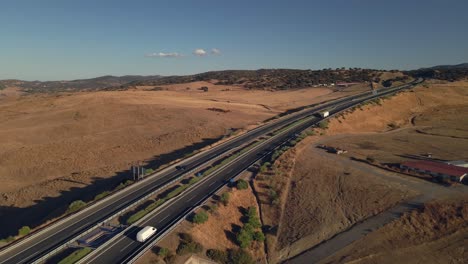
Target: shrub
[217, 255]
[240, 256]
[170, 259]
[185, 237]
[193, 180]
[136, 216]
[23, 231]
[75, 206]
[76, 255]
[272, 194]
[225, 198]
[323, 124]
[259, 236]
[242, 184]
[7, 239]
[252, 211]
[101, 195]
[244, 237]
[176, 191]
[190, 247]
[255, 222]
[148, 171]
[213, 209]
[163, 252]
[200, 218]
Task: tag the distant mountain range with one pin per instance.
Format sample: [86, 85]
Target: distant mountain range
[276, 79]
[97, 83]
[448, 67]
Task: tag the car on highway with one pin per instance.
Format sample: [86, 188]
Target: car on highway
[145, 233]
[181, 167]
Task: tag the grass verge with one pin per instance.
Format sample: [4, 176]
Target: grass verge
[76, 255]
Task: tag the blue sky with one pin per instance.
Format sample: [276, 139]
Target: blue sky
[70, 39]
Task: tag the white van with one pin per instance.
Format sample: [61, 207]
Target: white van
[145, 233]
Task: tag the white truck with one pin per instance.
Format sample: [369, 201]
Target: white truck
[145, 233]
[322, 114]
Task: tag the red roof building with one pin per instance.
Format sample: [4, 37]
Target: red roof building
[436, 169]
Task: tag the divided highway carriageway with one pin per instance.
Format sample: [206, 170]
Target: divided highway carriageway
[124, 248]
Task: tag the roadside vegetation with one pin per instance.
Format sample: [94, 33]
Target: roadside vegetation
[234, 256]
[250, 231]
[187, 245]
[76, 255]
[23, 231]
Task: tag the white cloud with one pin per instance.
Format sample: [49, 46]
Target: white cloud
[199, 52]
[215, 51]
[164, 55]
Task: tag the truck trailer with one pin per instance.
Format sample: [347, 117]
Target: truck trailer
[145, 233]
[322, 114]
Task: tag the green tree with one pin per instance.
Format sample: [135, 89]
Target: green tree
[225, 198]
[259, 236]
[75, 206]
[163, 252]
[217, 255]
[240, 256]
[244, 238]
[242, 184]
[323, 124]
[200, 218]
[24, 231]
[190, 247]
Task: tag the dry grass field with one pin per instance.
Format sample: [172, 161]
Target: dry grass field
[433, 234]
[425, 120]
[319, 198]
[57, 148]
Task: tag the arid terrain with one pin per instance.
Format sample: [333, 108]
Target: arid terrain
[68, 146]
[219, 232]
[57, 148]
[434, 234]
[411, 124]
[319, 198]
[322, 194]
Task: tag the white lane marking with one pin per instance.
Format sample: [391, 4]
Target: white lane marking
[163, 218]
[125, 247]
[212, 184]
[190, 199]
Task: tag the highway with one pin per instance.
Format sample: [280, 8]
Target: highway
[51, 237]
[126, 248]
